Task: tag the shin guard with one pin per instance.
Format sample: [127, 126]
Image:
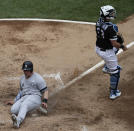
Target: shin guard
[114, 80]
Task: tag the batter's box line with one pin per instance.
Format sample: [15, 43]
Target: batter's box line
[57, 77]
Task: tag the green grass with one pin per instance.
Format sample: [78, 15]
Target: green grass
[82, 10]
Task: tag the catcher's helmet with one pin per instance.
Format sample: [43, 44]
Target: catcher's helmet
[27, 66]
[108, 12]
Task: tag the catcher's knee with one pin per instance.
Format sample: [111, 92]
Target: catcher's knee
[114, 80]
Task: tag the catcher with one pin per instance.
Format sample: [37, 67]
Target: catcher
[108, 42]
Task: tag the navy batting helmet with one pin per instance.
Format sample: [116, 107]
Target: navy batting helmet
[27, 66]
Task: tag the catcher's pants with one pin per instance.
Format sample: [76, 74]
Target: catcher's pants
[109, 57]
[24, 105]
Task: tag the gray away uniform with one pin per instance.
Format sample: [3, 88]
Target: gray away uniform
[29, 97]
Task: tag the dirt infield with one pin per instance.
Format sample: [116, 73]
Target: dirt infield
[69, 49]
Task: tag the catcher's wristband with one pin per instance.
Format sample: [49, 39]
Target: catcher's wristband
[45, 100]
[122, 46]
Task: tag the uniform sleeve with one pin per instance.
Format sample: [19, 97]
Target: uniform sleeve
[112, 31]
[19, 95]
[41, 84]
[20, 84]
[21, 81]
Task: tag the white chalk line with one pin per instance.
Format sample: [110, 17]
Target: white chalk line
[93, 68]
[57, 77]
[48, 20]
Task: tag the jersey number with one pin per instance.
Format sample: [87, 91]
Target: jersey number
[100, 32]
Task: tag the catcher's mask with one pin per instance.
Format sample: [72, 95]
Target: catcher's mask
[108, 12]
[27, 66]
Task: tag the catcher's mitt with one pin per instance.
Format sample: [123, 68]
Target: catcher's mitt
[120, 39]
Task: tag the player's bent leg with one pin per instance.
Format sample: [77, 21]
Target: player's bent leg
[31, 102]
[15, 107]
[14, 112]
[111, 67]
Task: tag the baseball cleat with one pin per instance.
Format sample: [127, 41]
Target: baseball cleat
[15, 122]
[118, 93]
[114, 94]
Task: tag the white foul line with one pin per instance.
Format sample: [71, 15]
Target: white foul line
[92, 69]
[49, 20]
